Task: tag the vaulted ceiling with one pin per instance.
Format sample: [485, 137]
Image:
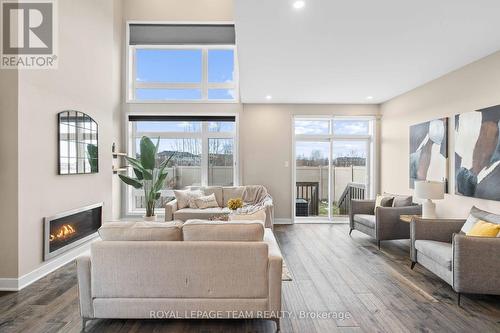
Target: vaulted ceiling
[337, 51]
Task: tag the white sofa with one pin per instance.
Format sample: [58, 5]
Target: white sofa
[146, 270]
[222, 195]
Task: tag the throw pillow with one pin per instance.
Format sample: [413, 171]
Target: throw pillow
[259, 215]
[400, 200]
[208, 201]
[383, 201]
[484, 229]
[469, 223]
[183, 197]
[479, 214]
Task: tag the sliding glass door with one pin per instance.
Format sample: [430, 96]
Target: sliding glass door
[350, 173]
[332, 166]
[312, 160]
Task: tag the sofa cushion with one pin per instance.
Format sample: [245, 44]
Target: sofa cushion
[141, 231]
[184, 197]
[202, 214]
[237, 231]
[440, 252]
[259, 215]
[365, 219]
[217, 190]
[232, 193]
[205, 202]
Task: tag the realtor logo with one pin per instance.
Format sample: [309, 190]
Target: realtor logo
[28, 34]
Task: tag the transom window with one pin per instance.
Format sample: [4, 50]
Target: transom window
[167, 65]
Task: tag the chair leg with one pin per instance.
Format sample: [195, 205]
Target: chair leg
[459, 299]
[412, 264]
[350, 230]
[84, 323]
[378, 244]
[277, 321]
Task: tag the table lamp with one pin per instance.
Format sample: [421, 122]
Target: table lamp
[429, 190]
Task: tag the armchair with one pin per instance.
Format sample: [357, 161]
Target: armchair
[382, 224]
[468, 264]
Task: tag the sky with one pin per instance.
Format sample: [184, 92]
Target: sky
[183, 66]
[340, 127]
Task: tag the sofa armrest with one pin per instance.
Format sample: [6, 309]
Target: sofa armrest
[84, 290]
[476, 264]
[389, 225]
[274, 271]
[360, 207]
[170, 209]
[269, 209]
[439, 230]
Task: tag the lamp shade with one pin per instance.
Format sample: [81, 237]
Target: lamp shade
[429, 190]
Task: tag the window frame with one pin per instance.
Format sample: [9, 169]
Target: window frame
[204, 85]
[369, 139]
[204, 135]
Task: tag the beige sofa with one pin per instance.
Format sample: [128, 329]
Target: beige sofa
[222, 195]
[159, 270]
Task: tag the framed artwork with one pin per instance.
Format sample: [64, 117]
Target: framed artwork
[477, 154]
[429, 152]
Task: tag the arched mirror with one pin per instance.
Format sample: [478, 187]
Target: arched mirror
[78, 143]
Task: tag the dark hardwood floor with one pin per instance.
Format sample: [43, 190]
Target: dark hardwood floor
[359, 289]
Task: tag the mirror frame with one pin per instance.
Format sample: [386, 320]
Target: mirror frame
[85, 132]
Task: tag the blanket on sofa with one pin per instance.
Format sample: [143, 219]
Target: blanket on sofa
[254, 199]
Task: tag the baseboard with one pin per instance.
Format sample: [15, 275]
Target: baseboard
[8, 284]
[283, 221]
[16, 284]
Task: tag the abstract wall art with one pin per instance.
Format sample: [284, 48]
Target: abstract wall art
[429, 152]
[477, 153]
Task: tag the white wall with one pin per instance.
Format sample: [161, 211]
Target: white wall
[9, 204]
[470, 88]
[84, 81]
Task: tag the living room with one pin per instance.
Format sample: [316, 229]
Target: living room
[249, 166]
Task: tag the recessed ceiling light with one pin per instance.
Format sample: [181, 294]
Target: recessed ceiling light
[299, 4]
[369, 97]
[269, 97]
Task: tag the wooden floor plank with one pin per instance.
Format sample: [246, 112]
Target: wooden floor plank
[332, 273]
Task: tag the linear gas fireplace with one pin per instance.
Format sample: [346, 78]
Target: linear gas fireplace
[67, 230]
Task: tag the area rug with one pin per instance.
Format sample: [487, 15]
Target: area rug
[285, 273]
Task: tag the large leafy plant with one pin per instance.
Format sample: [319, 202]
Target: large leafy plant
[150, 176]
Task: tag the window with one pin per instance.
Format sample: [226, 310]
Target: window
[204, 151]
[179, 63]
[332, 163]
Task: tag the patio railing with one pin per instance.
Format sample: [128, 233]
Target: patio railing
[351, 191]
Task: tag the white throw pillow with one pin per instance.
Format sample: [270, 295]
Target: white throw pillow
[183, 197]
[259, 215]
[208, 201]
[469, 223]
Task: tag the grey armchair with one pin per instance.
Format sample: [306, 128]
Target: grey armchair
[468, 264]
[384, 224]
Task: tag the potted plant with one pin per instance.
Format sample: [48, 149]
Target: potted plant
[150, 176]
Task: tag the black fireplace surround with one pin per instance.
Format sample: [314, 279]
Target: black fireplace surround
[67, 230]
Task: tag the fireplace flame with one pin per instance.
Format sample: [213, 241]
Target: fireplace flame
[64, 232]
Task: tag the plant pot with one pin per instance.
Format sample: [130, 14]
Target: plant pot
[150, 218]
